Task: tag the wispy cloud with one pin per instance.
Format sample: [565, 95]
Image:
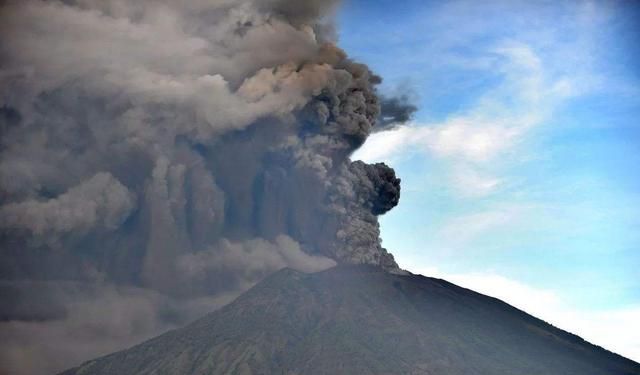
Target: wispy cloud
[499, 121]
[460, 231]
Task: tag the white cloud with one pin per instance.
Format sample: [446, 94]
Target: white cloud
[493, 128]
[472, 182]
[463, 229]
[612, 329]
[384, 145]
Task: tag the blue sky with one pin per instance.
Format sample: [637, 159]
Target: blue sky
[520, 169]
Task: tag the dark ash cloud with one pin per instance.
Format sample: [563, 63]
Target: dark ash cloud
[395, 111]
[159, 157]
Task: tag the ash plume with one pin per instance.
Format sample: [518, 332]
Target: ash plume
[160, 157]
[395, 111]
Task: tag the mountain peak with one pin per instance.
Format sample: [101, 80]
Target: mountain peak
[363, 320]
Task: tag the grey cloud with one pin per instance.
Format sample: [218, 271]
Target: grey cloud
[360, 194]
[102, 201]
[168, 155]
[78, 321]
[395, 111]
[248, 262]
[299, 12]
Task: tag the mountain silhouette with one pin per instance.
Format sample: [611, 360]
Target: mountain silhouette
[362, 320]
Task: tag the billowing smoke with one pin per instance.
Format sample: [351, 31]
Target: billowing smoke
[159, 157]
[395, 111]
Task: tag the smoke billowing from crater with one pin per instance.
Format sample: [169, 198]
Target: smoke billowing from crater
[159, 157]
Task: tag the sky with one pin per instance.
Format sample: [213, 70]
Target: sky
[520, 169]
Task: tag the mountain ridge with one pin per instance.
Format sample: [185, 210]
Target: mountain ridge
[362, 320]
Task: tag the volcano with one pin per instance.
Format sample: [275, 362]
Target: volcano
[362, 320]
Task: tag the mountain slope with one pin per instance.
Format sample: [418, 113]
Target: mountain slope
[360, 320]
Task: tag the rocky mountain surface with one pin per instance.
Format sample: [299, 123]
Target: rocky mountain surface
[361, 320]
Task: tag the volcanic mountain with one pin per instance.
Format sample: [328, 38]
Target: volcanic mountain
[362, 320]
